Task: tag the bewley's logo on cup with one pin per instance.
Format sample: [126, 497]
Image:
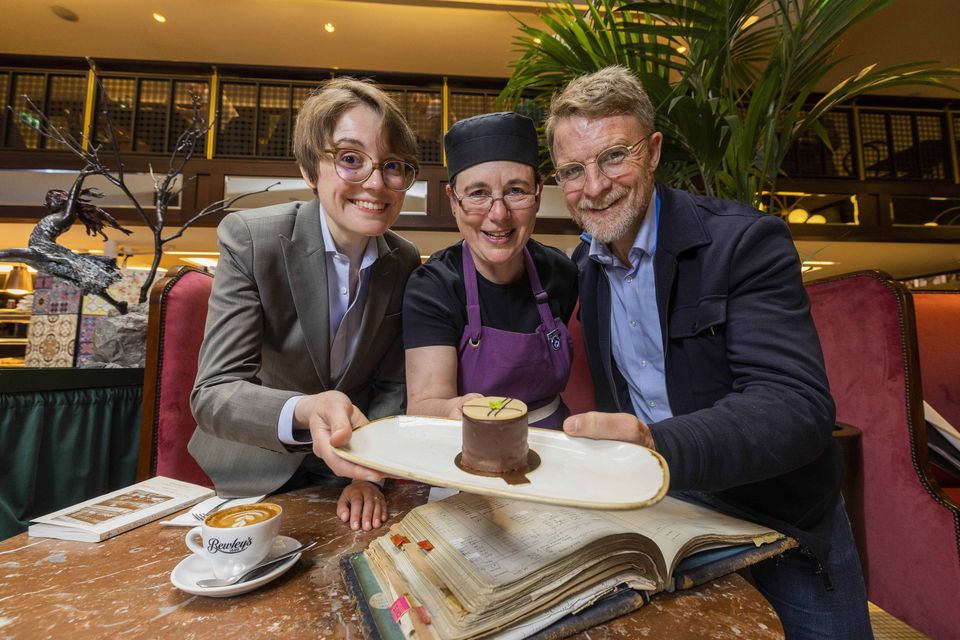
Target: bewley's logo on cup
[234, 546]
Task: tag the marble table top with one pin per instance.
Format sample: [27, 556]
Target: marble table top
[120, 588]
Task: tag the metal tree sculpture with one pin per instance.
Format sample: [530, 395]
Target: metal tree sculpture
[92, 273]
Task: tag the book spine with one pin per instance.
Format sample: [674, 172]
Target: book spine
[707, 572]
[351, 578]
[614, 606]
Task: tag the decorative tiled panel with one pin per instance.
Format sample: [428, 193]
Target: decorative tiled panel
[51, 341]
[94, 305]
[88, 324]
[128, 289]
[54, 296]
[63, 322]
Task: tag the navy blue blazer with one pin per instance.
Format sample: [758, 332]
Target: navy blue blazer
[752, 409]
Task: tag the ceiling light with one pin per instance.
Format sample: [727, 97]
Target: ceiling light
[798, 216]
[159, 17]
[191, 253]
[200, 261]
[537, 41]
[329, 28]
[681, 50]
[64, 13]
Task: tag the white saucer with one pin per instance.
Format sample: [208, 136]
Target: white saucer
[193, 568]
[579, 472]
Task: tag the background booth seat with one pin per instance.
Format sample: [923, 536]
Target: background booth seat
[178, 313]
[578, 394]
[907, 528]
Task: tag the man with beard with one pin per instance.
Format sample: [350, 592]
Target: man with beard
[700, 342]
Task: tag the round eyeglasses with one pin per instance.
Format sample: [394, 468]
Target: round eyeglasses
[479, 204]
[611, 162]
[356, 166]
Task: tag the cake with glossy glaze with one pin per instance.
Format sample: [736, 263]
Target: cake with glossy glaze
[495, 435]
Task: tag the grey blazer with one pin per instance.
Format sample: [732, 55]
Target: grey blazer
[267, 340]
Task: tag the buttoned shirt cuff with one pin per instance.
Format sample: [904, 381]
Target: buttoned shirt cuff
[285, 426]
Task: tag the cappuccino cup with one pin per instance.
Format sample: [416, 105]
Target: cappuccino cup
[237, 538]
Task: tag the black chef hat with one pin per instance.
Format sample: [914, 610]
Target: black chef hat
[492, 136]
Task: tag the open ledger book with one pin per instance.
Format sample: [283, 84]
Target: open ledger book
[473, 566]
[113, 513]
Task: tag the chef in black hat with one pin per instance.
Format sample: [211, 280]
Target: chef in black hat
[487, 316]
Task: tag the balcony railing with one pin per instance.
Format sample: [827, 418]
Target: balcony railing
[886, 165]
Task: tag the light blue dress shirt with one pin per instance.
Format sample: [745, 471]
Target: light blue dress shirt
[637, 342]
[347, 295]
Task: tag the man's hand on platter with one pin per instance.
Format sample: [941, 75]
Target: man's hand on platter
[609, 426]
[331, 418]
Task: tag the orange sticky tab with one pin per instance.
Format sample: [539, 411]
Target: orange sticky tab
[399, 540]
[425, 545]
[423, 615]
[400, 606]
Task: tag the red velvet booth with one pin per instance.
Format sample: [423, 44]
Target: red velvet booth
[178, 311]
[578, 395]
[908, 530]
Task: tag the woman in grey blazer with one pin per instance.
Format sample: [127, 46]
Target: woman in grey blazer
[303, 333]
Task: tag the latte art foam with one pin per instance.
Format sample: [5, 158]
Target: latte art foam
[243, 515]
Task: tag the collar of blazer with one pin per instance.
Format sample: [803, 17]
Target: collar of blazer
[305, 261]
[680, 229]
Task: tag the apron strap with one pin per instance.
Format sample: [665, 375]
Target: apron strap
[474, 325]
[543, 306]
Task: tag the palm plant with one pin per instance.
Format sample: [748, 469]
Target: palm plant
[732, 80]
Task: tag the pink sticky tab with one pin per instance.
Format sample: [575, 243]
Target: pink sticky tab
[399, 607]
[423, 615]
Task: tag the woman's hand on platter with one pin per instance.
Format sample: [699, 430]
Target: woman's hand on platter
[455, 405]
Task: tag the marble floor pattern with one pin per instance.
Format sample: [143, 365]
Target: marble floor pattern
[887, 627]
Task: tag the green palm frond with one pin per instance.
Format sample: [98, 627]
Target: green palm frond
[731, 80]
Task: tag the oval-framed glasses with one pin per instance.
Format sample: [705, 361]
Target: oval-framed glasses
[480, 204]
[356, 166]
[611, 162]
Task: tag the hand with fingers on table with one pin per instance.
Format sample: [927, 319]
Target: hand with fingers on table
[362, 505]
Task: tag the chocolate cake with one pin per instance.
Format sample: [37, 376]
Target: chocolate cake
[495, 435]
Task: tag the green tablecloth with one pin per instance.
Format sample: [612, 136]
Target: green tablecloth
[65, 436]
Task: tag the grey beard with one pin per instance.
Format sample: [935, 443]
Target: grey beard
[605, 231]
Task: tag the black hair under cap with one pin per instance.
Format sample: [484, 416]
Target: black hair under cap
[489, 137]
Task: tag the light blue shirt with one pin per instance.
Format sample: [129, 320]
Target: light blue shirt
[346, 297]
[637, 342]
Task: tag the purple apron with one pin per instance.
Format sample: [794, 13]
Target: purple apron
[532, 367]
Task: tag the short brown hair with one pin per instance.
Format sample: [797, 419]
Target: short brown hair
[320, 112]
[612, 91]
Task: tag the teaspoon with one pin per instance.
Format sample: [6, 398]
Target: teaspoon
[208, 583]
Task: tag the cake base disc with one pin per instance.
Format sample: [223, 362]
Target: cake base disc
[510, 477]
